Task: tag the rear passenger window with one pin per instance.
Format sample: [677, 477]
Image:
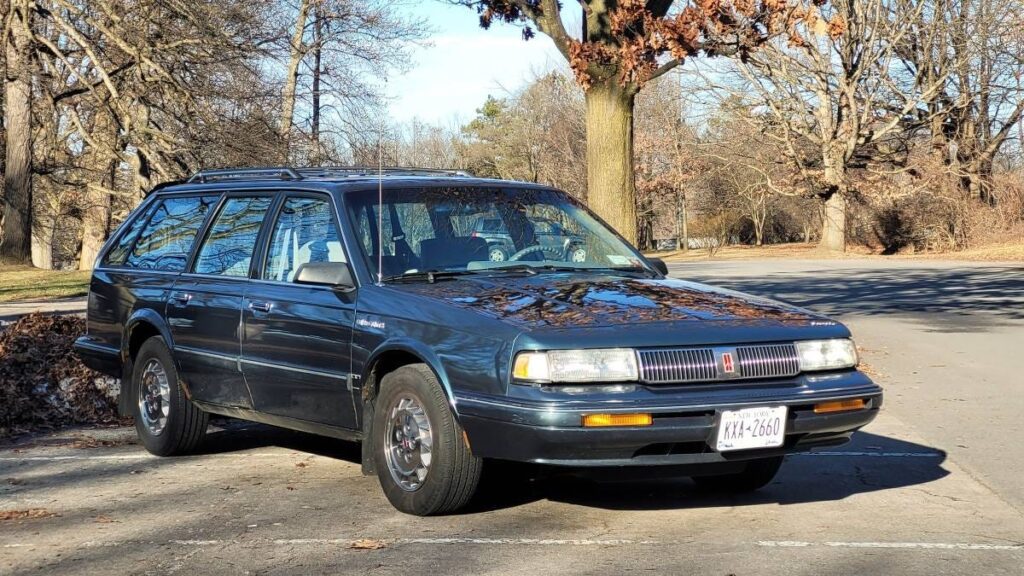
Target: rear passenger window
[166, 241]
[228, 248]
[304, 232]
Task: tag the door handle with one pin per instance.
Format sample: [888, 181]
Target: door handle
[182, 298]
[260, 306]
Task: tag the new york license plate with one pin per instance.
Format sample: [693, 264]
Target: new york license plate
[763, 427]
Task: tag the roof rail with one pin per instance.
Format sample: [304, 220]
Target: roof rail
[328, 171]
[289, 173]
[281, 172]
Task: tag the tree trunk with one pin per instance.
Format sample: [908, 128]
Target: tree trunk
[42, 242]
[610, 187]
[96, 220]
[833, 223]
[318, 26]
[16, 217]
[978, 180]
[296, 54]
[103, 159]
[682, 233]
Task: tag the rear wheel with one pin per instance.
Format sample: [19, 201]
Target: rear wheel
[165, 419]
[422, 460]
[757, 474]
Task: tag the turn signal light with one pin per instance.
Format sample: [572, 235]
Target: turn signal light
[839, 406]
[602, 420]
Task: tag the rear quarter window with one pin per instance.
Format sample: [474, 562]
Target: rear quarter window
[118, 253]
[166, 240]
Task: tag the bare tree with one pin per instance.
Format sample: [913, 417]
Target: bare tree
[336, 55]
[838, 97]
[979, 60]
[16, 216]
[622, 45]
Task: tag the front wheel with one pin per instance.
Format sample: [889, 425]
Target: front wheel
[423, 462]
[166, 421]
[757, 474]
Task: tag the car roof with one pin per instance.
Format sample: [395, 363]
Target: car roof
[332, 179]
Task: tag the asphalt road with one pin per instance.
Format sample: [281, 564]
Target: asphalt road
[932, 487]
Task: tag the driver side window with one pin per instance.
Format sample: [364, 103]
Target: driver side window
[304, 232]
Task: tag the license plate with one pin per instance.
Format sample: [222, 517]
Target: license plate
[749, 428]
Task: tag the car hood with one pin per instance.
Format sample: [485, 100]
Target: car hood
[589, 300]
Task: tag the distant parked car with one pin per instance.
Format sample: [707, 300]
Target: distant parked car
[548, 233]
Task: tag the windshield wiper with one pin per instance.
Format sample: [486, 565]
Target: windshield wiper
[429, 275]
[634, 269]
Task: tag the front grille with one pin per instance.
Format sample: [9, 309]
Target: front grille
[768, 361]
[686, 365]
[678, 365]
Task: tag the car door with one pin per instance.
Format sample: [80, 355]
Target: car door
[205, 305]
[296, 342]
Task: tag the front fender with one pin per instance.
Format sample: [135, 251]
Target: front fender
[419, 350]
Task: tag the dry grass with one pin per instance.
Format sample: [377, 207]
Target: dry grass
[27, 283]
[1002, 252]
[1011, 252]
[783, 251]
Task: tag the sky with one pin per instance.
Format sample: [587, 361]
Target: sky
[463, 64]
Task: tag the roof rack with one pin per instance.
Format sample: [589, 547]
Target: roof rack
[289, 173]
[328, 171]
[282, 173]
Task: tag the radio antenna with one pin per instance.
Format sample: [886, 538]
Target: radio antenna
[380, 208]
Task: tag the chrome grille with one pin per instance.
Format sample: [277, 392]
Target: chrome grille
[678, 365]
[768, 361]
[685, 365]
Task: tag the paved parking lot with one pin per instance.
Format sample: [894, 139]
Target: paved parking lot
[932, 487]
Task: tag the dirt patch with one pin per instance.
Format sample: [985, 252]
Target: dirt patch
[43, 385]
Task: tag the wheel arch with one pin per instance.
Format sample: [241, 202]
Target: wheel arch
[394, 354]
[142, 325]
[388, 357]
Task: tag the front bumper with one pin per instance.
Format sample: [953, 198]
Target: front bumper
[685, 421]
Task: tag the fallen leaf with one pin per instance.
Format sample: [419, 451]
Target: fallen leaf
[31, 513]
[301, 464]
[367, 544]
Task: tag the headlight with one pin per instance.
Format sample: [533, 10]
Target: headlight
[604, 365]
[826, 354]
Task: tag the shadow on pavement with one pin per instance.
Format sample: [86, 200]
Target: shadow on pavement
[229, 435]
[997, 292]
[869, 463]
[804, 478]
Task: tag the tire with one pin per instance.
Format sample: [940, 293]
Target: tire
[578, 254]
[157, 391]
[757, 474]
[497, 254]
[411, 398]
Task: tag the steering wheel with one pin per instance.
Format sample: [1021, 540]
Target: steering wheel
[537, 248]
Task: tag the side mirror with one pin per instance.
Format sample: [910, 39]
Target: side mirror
[659, 265]
[335, 274]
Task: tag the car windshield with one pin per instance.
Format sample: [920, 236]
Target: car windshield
[482, 230]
